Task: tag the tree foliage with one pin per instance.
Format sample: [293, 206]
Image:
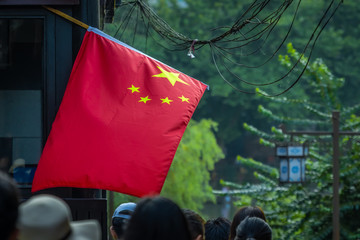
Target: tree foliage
[298, 211]
[187, 182]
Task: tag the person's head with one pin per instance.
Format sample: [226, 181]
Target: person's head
[241, 214]
[120, 219]
[9, 203]
[47, 217]
[217, 229]
[157, 218]
[196, 224]
[253, 228]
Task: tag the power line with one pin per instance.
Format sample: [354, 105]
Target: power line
[253, 27]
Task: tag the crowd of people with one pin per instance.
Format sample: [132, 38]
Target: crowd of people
[47, 217]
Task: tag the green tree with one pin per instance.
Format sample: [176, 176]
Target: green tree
[187, 182]
[304, 211]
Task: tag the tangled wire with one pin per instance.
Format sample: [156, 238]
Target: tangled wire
[252, 28]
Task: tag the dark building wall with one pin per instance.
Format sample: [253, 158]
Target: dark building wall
[60, 44]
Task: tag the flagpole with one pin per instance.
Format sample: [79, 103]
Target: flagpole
[67, 17]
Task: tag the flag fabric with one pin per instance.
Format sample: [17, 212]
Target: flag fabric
[120, 122]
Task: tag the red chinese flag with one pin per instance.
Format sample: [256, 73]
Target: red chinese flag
[120, 121]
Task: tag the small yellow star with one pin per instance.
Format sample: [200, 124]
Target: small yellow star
[144, 99]
[184, 99]
[134, 89]
[171, 76]
[166, 100]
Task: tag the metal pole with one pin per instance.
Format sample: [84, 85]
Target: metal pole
[336, 176]
[111, 207]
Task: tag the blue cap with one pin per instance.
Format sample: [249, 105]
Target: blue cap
[124, 210]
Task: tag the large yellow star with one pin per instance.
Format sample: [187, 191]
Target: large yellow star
[166, 100]
[144, 99]
[184, 99]
[171, 76]
[134, 89]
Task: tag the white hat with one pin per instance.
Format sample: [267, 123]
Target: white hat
[46, 217]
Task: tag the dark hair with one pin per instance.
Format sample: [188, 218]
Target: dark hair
[241, 214]
[119, 225]
[217, 229]
[9, 205]
[196, 223]
[157, 218]
[253, 227]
